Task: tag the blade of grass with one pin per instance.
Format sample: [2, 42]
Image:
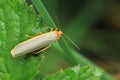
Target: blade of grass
[41, 9]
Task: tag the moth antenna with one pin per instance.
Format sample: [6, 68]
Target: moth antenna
[57, 21]
[71, 41]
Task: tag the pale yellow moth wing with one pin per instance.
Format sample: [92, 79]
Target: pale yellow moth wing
[35, 43]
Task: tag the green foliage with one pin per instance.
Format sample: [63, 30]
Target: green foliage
[77, 73]
[16, 20]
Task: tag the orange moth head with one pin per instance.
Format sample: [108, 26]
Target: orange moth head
[59, 33]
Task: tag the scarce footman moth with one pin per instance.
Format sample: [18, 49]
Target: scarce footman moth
[40, 42]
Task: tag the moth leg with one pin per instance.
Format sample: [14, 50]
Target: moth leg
[51, 29]
[41, 50]
[39, 33]
[34, 35]
[28, 36]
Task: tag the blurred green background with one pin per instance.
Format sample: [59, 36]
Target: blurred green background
[94, 25]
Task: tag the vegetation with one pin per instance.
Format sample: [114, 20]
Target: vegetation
[18, 19]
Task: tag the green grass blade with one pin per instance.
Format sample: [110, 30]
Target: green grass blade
[43, 12]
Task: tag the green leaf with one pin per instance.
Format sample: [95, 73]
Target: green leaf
[16, 20]
[77, 73]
